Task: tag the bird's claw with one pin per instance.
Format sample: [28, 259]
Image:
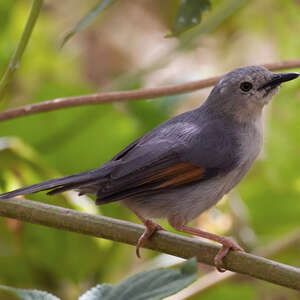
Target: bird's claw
[151, 227]
[227, 244]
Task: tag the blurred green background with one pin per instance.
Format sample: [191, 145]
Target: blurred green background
[125, 48]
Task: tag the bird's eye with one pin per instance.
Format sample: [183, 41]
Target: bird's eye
[246, 86]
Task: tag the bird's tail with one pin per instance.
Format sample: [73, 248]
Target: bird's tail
[58, 185]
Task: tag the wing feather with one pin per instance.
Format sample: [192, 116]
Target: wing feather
[161, 162]
[168, 178]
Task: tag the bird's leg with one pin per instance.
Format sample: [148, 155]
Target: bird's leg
[227, 243]
[151, 227]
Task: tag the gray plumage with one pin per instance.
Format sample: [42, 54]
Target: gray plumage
[213, 146]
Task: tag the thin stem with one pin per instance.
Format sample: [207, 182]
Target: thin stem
[109, 97]
[212, 279]
[15, 60]
[125, 232]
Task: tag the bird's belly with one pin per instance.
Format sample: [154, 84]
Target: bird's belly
[187, 202]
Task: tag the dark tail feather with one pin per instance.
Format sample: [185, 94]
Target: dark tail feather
[59, 184]
[85, 187]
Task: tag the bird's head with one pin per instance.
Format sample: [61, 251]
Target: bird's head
[245, 91]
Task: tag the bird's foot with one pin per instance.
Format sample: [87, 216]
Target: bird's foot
[227, 244]
[151, 227]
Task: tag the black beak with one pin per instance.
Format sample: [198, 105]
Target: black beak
[278, 79]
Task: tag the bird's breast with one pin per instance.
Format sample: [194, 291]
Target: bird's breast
[251, 141]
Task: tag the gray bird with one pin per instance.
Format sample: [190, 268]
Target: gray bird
[188, 163]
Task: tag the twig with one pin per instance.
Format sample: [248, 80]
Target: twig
[150, 93]
[125, 232]
[214, 278]
[14, 63]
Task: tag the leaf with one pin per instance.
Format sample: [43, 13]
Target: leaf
[190, 267]
[86, 20]
[28, 294]
[149, 285]
[96, 293]
[188, 15]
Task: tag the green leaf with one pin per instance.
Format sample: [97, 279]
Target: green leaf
[190, 267]
[149, 285]
[188, 15]
[86, 20]
[29, 294]
[98, 292]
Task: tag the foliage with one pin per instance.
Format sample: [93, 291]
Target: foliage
[150, 285]
[127, 50]
[86, 20]
[14, 63]
[189, 14]
[28, 294]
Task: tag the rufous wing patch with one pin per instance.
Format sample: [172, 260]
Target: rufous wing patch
[175, 175]
[170, 177]
[183, 178]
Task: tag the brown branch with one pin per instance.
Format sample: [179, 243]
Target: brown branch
[150, 93]
[214, 278]
[125, 232]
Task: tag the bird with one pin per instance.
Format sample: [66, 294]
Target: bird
[188, 163]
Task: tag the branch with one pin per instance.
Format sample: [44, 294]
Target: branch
[14, 63]
[125, 232]
[109, 97]
[213, 278]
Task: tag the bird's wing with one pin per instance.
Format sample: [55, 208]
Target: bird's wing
[157, 165]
